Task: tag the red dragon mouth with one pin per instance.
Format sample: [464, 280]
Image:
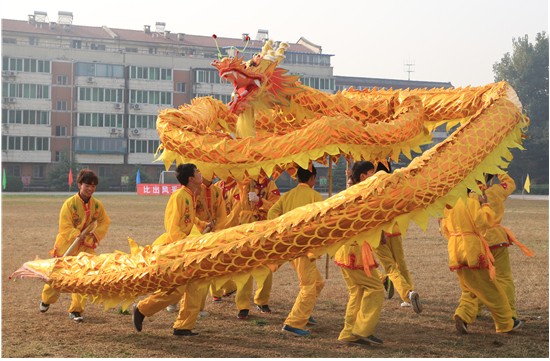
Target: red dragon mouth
[244, 87]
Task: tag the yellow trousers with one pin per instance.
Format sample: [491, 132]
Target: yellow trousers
[366, 296]
[504, 276]
[78, 301]
[392, 259]
[311, 284]
[261, 297]
[477, 286]
[190, 297]
[227, 287]
[50, 296]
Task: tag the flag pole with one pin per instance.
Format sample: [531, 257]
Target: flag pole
[329, 195]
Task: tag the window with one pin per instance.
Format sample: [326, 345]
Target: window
[101, 95]
[9, 40]
[97, 46]
[131, 50]
[61, 105]
[180, 87]
[100, 120]
[144, 146]
[77, 44]
[25, 116]
[62, 80]
[38, 171]
[152, 50]
[105, 172]
[57, 156]
[33, 40]
[60, 131]
[150, 73]
[13, 170]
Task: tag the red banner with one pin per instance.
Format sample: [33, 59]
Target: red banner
[153, 189]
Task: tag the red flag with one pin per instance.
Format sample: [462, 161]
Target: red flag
[70, 177]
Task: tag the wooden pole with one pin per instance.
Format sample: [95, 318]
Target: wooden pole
[330, 195]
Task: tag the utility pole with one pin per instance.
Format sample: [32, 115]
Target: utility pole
[409, 69]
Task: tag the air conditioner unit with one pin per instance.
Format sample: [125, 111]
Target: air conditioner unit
[136, 106]
[135, 131]
[118, 105]
[114, 131]
[12, 73]
[90, 79]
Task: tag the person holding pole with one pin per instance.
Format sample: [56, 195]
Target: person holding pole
[311, 281]
[391, 256]
[366, 292]
[463, 225]
[180, 221]
[83, 223]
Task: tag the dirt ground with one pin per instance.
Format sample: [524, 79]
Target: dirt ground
[29, 225]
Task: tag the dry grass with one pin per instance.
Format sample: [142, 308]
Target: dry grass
[29, 225]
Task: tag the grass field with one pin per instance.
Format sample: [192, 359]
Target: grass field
[29, 226]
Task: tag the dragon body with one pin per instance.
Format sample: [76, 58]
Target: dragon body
[273, 124]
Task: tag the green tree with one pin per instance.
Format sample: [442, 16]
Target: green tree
[526, 70]
[58, 177]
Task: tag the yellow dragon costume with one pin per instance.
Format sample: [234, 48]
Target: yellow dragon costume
[273, 124]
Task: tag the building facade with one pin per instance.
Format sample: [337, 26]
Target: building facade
[91, 95]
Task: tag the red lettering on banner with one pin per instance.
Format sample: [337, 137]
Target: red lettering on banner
[151, 189]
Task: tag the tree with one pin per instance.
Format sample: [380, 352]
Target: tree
[526, 70]
[58, 177]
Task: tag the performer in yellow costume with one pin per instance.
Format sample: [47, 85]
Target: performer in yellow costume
[500, 238]
[211, 208]
[392, 258]
[366, 292]
[250, 202]
[311, 281]
[76, 219]
[179, 221]
[470, 257]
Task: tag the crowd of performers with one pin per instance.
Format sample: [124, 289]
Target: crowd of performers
[477, 246]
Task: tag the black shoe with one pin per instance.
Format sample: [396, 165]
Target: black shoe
[263, 308]
[178, 332]
[137, 318]
[461, 326]
[373, 340]
[388, 286]
[517, 324]
[242, 315]
[43, 307]
[76, 317]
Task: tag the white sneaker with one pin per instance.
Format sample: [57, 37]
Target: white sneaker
[406, 304]
[172, 308]
[204, 314]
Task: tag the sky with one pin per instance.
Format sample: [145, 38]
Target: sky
[447, 41]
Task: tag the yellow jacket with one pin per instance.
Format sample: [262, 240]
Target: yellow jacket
[356, 257]
[179, 217]
[243, 211]
[299, 196]
[462, 226]
[496, 195]
[211, 206]
[75, 215]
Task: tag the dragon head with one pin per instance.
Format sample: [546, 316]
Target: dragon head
[259, 82]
